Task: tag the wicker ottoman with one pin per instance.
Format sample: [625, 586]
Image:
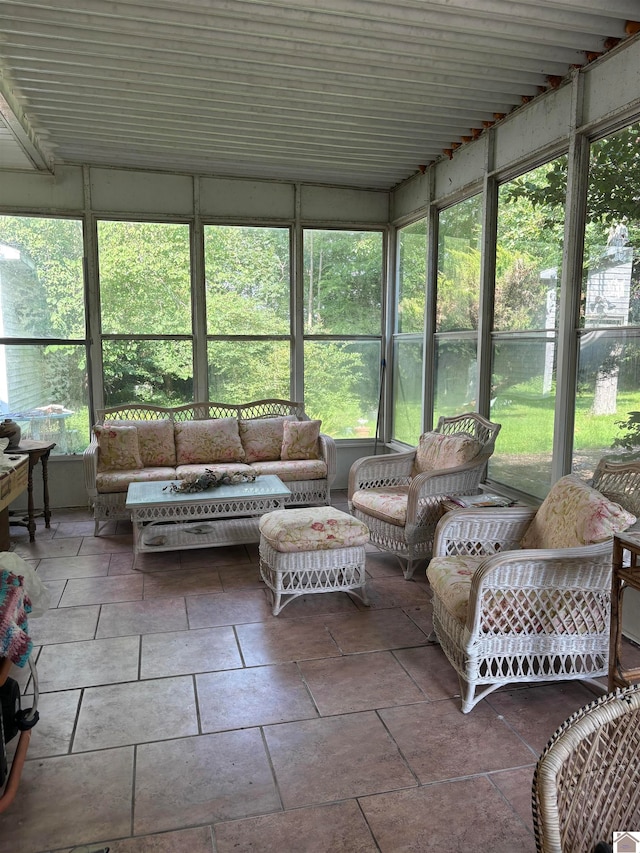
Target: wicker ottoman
[315, 549]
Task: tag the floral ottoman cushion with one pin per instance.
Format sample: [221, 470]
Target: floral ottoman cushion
[312, 529]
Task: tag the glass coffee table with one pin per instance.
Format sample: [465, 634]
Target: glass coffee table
[226, 515]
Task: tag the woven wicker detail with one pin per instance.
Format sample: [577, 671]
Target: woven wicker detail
[585, 782]
[306, 572]
[620, 482]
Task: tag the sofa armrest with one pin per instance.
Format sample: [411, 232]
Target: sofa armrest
[328, 453]
[90, 465]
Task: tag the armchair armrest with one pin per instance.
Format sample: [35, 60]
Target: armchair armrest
[370, 472]
[476, 532]
[555, 591]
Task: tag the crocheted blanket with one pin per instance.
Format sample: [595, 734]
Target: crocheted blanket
[15, 604]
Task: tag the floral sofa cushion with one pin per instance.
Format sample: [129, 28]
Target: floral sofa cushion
[312, 529]
[300, 440]
[262, 438]
[436, 451]
[208, 441]
[290, 471]
[118, 448]
[155, 441]
[573, 514]
[387, 504]
[111, 482]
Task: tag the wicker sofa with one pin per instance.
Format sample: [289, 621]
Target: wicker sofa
[136, 442]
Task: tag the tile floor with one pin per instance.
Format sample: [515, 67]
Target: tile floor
[177, 714]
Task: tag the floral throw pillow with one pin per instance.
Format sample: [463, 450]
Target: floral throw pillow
[437, 451]
[262, 438]
[118, 448]
[207, 441]
[300, 440]
[573, 514]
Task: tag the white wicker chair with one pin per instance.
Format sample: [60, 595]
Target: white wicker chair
[586, 784]
[504, 614]
[619, 480]
[423, 494]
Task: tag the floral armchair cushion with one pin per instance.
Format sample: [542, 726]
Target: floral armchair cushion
[262, 438]
[118, 448]
[211, 440]
[300, 440]
[436, 451]
[573, 514]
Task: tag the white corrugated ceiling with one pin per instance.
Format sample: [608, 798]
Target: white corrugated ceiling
[351, 92]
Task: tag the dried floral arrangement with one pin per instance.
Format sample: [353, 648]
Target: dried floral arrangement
[210, 480]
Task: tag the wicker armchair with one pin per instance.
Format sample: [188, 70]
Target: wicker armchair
[585, 785]
[401, 502]
[525, 596]
[619, 481]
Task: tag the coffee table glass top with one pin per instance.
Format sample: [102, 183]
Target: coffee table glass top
[157, 493]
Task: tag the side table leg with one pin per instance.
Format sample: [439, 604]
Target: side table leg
[31, 524]
[45, 488]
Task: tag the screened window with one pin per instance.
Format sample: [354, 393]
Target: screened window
[408, 345]
[342, 314]
[608, 399]
[524, 339]
[43, 357]
[457, 306]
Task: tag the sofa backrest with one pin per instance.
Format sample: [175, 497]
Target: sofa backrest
[201, 411]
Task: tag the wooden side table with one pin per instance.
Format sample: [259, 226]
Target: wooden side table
[37, 451]
[622, 577]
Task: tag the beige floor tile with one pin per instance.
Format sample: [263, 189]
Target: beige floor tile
[246, 576]
[280, 640]
[335, 758]
[181, 652]
[76, 528]
[59, 568]
[319, 604]
[395, 592]
[138, 712]
[358, 683]
[337, 828]
[474, 743]
[105, 544]
[68, 801]
[56, 588]
[101, 590]
[85, 664]
[142, 617]
[52, 733]
[229, 608]
[258, 696]
[181, 582]
[456, 817]
[65, 625]
[43, 548]
[375, 630]
[200, 780]
[515, 786]
[196, 840]
[430, 670]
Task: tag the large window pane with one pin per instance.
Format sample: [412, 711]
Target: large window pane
[44, 389]
[458, 296]
[242, 371]
[611, 280]
[145, 280]
[608, 399]
[407, 389]
[41, 278]
[342, 386]
[523, 401]
[247, 280]
[411, 277]
[148, 371]
[456, 389]
[529, 249]
[342, 282]
[44, 386]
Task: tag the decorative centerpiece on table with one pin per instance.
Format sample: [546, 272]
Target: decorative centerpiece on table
[210, 480]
